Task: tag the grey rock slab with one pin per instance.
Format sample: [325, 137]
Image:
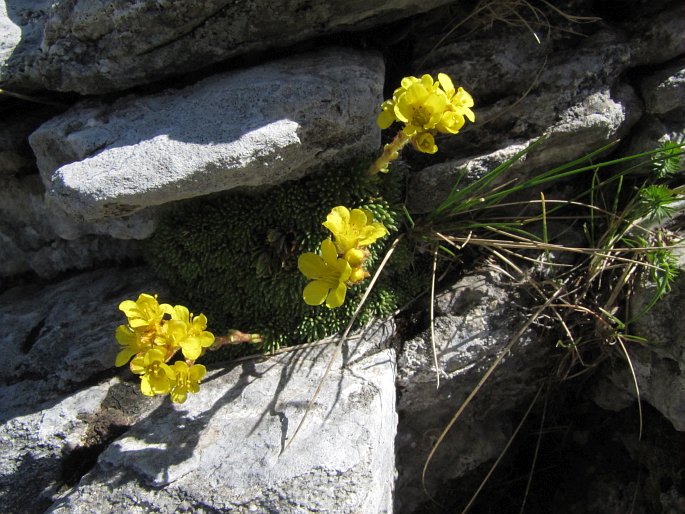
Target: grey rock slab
[570, 133]
[432, 185]
[475, 319]
[18, 122]
[92, 48]
[46, 446]
[659, 364]
[224, 448]
[657, 129]
[32, 234]
[656, 37]
[63, 334]
[572, 95]
[259, 126]
[32, 446]
[664, 90]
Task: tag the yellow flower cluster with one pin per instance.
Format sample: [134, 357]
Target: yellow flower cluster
[426, 107]
[154, 334]
[341, 263]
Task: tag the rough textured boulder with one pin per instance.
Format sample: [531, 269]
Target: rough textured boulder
[259, 126]
[90, 47]
[32, 235]
[664, 90]
[224, 449]
[61, 336]
[659, 364]
[60, 408]
[35, 445]
[575, 98]
[475, 320]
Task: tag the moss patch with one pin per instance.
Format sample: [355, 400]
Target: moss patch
[234, 256]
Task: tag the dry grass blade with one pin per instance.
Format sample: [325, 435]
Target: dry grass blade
[483, 379]
[432, 320]
[637, 387]
[503, 452]
[535, 454]
[342, 339]
[33, 99]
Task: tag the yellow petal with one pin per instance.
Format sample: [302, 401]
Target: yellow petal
[446, 84]
[337, 296]
[145, 386]
[181, 313]
[191, 348]
[343, 270]
[329, 252]
[315, 292]
[206, 339]
[358, 218]
[158, 384]
[408, 81]
[178, 395]
[170, 374]
[311, 265]
[129, 307]
[373, 232]
[138, 365]
[197, 372]
[125, 336]
[385, 119]
[337, 220]
[123, 357]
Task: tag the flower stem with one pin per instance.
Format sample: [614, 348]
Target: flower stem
[391, 151]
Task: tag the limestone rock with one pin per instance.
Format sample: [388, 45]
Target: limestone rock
[46, 446]
[33, 444]
[258, 126]
[63, 334]
[31, 234]
[17, 123]
[656, 129]
[224, 448]
[659, 364]
[475, 319]
[91, 48]
[655, 37]
[664, 90]
[574, 99]
[581, 128]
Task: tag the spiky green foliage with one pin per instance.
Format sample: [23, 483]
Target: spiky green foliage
[668, 160]
[656, 200]
[234, 256]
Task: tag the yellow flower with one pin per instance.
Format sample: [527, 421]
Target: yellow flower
[188, 332]
[131, 343]
[426, 107]
[157, 377]
[387, 115]
[145, 312]
[328, 274]
[358, 274]
[187, 379]
[424, 142]
[460, 101]
[356, 256]
[353, 229]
